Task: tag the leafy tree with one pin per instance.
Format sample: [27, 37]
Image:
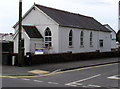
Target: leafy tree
[118, 36]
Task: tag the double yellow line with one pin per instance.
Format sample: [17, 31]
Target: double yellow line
[49, 74]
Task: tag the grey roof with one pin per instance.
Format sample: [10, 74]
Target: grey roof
[32, 32]
[109, 28]
[65, 18]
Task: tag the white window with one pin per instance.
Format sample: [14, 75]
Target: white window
[70, 38]
[48, 38]
[81, 38]
[91, 39]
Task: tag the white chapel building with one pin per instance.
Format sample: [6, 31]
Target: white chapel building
[112, 36]
[58, 31]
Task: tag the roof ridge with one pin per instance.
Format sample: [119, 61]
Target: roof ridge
[29, 25]
[63, 11]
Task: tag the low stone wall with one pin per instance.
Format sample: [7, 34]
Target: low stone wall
[64, 57]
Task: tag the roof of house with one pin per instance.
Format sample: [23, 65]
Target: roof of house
[109, 28]
[65, 18]
[32, 31]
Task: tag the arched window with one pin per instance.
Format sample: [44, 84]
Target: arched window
[91, 39]
[48, 38]
[81, 38]
[70, 38]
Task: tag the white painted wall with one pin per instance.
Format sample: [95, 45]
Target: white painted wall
[64, 40]
[26, 42]
[42, 21]
[113, 42]
[113, 37]
[106, 41]
[36, 43]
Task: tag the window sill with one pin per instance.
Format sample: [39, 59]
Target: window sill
[48, 47]
[82, 46]
[70, 46]
[91, 45]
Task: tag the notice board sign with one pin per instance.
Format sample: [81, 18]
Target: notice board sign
[39, 51]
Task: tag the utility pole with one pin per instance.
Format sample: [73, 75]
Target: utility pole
[118, 15]
[118, 33]
[20, 55]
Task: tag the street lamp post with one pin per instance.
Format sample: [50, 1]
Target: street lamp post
[20, 55]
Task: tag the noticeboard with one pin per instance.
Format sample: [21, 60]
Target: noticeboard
[39, 51]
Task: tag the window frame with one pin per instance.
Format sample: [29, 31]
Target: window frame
[91, 39]
[71, 38]
[101, 43]
[48, 38]
[81, 39]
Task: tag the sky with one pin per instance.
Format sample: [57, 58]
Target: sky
[104, 11]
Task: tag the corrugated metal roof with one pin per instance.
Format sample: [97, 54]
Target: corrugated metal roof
[32, 32]
[65, 18]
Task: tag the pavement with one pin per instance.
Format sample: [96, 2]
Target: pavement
[53, 67]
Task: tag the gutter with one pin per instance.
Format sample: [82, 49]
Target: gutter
[71, 26]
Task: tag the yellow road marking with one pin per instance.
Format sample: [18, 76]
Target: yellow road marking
[62, 71]
[38, 72]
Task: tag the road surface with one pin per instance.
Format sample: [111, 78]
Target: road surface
[89, 77]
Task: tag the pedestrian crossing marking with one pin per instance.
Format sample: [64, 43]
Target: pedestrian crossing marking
[38, 71]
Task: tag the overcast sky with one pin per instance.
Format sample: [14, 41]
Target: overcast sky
[104, 11]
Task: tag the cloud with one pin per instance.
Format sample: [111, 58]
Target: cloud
[105, 11]
[99, 3]
[90, 2]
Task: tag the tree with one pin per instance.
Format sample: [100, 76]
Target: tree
[118, 36]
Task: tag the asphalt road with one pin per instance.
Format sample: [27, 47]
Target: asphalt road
[90, 77]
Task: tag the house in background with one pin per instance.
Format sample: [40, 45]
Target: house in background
[112, 36]
[58, 31]
[6, 37]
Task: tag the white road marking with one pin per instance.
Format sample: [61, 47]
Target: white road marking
[89, 78]
[71, 85]
[94, 86]
[25, 79]
[13, 77]
[76, 83]
[56, 71]
[52, 83]
[37, 81]
[114, 77]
